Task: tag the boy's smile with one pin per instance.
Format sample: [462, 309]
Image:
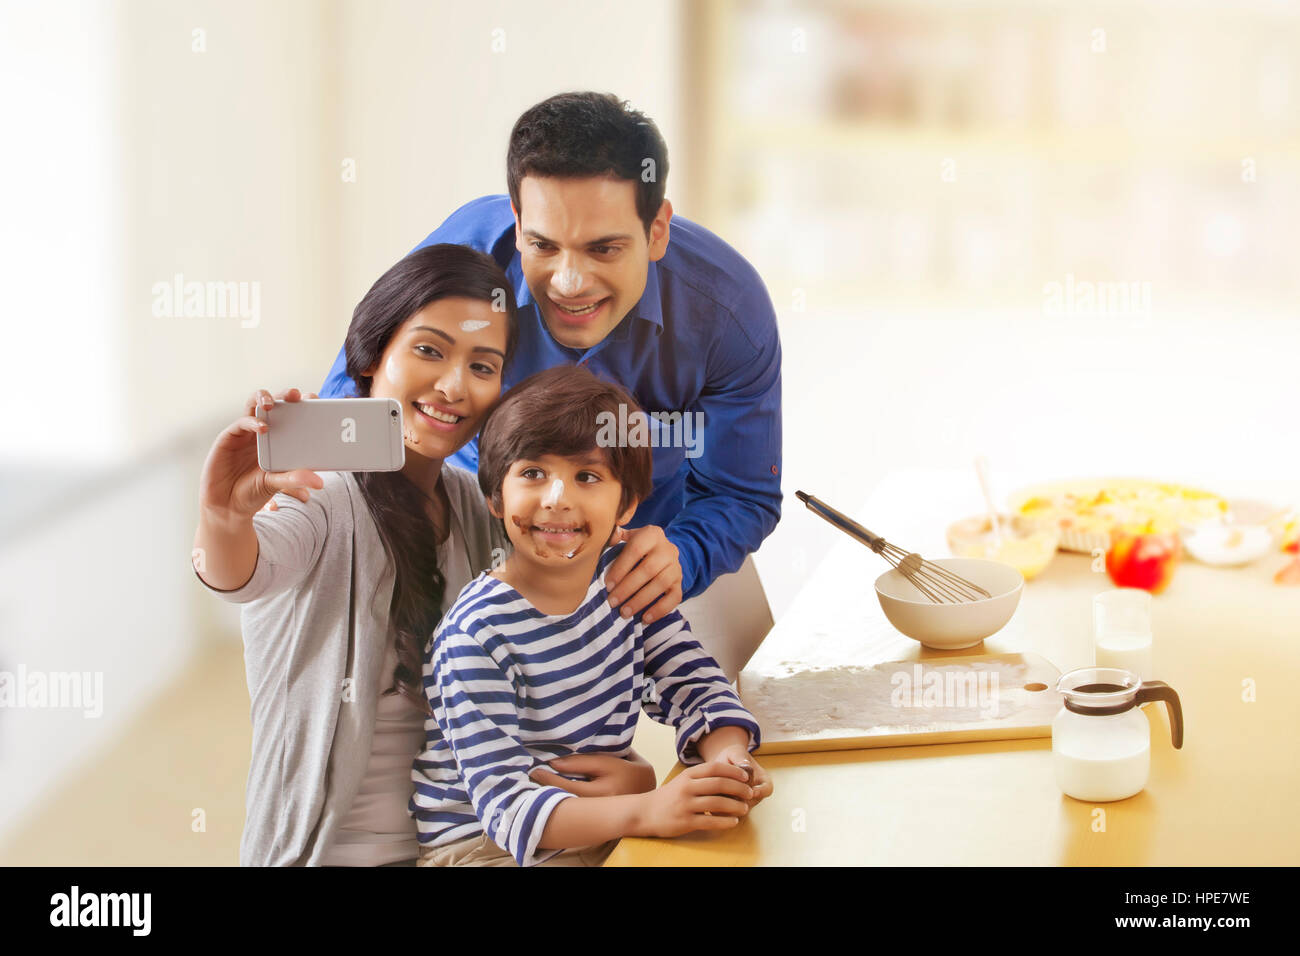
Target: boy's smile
[564, 538]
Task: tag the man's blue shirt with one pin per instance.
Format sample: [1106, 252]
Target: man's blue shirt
[702, 338]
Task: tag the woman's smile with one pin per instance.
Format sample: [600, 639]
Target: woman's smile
[437, 416]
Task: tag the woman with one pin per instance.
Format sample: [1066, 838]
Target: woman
[344, 576]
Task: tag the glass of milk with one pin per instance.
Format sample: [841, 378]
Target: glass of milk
[1121, 630]
[1101, 741]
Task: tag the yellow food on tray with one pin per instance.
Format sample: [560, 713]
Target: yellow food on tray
[1291, 536]
[1088, 509]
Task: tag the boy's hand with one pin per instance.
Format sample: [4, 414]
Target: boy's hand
[610, 775]
[647, 571]
[758, 778]
[707, 796]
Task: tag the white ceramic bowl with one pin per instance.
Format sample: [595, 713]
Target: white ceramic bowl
[1246, 533]
[1227, 545]
[951, 626]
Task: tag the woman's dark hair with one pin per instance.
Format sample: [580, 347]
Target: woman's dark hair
[398, 507]
[558, 412]
[590, 134]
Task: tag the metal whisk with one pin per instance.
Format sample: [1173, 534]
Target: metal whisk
[937, 583]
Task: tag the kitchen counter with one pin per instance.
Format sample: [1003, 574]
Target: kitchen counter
[1228, 797]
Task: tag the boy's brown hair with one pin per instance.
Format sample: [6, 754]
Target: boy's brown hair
[555, 412]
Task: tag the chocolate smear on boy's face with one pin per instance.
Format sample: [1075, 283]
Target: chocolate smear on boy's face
[544, 549]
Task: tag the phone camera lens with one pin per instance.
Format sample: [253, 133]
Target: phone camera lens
[393, 413]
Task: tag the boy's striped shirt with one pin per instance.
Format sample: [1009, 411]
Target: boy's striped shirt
[512, 688]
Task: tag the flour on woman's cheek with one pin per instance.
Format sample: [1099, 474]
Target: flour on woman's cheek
[391, 373]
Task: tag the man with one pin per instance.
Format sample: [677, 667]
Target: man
[605, 276]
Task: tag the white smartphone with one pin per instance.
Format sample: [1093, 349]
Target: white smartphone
[332, 434]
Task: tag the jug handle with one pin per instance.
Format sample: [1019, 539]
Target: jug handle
[1159, 690]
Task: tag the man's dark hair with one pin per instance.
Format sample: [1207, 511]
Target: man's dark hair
[556, 412]
[575, 135]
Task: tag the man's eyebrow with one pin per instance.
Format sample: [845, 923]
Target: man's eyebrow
[441, 334]
[602, 241]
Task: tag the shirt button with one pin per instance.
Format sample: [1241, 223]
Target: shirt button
[774, 469]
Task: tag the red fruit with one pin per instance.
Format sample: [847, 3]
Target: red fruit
[1141, 560]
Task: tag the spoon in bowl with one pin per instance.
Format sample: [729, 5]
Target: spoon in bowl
[982, 470]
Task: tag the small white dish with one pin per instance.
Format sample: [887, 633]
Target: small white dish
[1227, 545]
[952, 626]
[1246, 533]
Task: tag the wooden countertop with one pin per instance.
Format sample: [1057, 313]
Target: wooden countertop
[1228, 797]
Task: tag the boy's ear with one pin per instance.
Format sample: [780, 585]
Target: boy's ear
[494, 506]
[621, 520]
[626, 516]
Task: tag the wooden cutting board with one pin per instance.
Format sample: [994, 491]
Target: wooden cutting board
[902, 703]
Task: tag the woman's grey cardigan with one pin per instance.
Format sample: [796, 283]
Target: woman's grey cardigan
[315, 622]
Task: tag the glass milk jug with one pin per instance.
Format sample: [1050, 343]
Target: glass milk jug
[1101, 741]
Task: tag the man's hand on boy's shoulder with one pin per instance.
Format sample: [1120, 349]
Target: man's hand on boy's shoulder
[647, 575]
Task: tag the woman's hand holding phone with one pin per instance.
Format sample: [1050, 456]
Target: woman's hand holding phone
[234, 486]
[232, 489]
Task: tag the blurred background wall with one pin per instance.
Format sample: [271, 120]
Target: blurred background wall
[1059, 234]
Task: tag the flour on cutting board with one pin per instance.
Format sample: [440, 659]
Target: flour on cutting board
[908, 695]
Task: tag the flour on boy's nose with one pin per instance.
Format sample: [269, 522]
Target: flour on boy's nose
[553, 495]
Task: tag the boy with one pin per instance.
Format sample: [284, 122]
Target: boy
[531, 663]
